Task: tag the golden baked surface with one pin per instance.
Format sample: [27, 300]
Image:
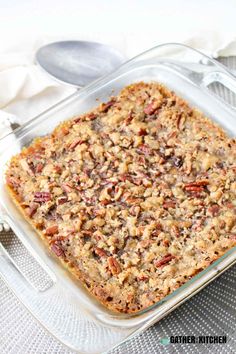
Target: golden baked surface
[136, 196]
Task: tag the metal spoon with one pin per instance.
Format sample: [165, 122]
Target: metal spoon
[78, 63]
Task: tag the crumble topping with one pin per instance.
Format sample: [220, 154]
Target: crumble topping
[136, 196]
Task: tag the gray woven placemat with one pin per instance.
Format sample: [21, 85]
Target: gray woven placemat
[212, 312]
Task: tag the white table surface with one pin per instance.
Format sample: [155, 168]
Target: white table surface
[131, 25]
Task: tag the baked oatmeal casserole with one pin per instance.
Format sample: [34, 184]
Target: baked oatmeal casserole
[135, 197]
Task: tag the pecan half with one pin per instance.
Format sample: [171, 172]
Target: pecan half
[165, 260]
[175, 230]
[42, 197]
[201, 183]
[194, 188]
[100, 252]
[113, 265]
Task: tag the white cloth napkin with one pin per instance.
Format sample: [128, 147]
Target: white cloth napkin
[27, 91]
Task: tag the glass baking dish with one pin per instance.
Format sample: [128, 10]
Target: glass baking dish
[65, 308]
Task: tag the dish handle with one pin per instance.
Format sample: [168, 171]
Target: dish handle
[14, 278]
[225, 79]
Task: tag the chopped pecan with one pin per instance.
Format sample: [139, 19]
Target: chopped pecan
[39, 167]
[151, 107]
[42, 197]
[26, 167]
[165, 260]
[198, 224]
[91, 116]
[86, 233]
[104, 107]
[118, 193]
[229, 205]
[175, 230]
[141, 160]
[62, 200]
[214, 209]
[57, 249]
[51, 230]
[145, 243]
[105, 202]
[58, 169]
[166, 242]
[180, 121]
[113, 265]
[129, 118]
[66, 187]
[142, 132]
[100, 252]
[78, 120]
[99, 212]
[32, 209]
[125, 177]
[177, 161]
[169, 204]
[13, 182]
[137, 180]
[100, 292]
[133, 200]
[74, 143]
[142, 277]
[144, 149]
[135, 210]
[88, 200]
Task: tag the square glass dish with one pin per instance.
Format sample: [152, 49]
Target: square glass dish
[64, 307]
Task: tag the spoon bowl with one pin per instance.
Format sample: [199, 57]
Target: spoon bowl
[78, 63]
